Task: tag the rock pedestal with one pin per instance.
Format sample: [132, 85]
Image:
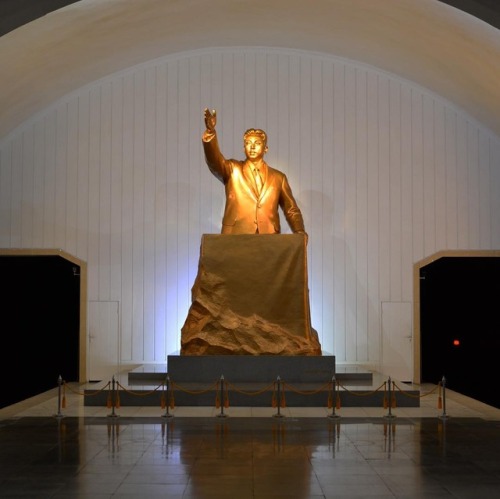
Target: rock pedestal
[250, 297]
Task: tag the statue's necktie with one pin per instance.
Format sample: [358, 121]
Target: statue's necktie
[258, 179]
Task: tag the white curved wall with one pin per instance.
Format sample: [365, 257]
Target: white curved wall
[385, 172]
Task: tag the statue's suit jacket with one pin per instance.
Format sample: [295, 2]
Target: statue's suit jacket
[247, 210]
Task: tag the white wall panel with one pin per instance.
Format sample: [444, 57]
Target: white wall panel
[62, 172]
[494, 155]
[127, 217]
[350, 212]
[174, 217]
[385, 173]
[138, 219]
[311, 189]
[473, 186]
[325, 191]
[484, 193]
[395, 193]
[418, 187]
[406, 192]
[27, 188]
[429, 172]
[71, 187]
[295, 132]
[439, 161]
[339, 248]
[116, 140]
[361, 210]
[81, 182]
[384, 182]
[5, 194]
[38, 184]
[104, 227]
[373, 219]
[96, 213]
[150, 220]
[16, 202]
[462, 185]
[49, 180]
[451, 186]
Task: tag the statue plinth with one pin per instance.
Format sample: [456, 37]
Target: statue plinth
[250, 297]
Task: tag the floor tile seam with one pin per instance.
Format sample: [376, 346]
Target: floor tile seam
[317, 477]
[393, 487]
[127, 475]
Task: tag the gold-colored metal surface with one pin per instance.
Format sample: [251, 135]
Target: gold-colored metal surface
[251, 297]
[254, 190]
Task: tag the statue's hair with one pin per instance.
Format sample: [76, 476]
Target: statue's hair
[256, 131]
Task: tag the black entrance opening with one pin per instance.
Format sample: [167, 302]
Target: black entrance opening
[460, 325]
[40, 309]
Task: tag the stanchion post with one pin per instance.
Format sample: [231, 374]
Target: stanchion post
[443, 415]
[113, 399]
[334, 399]
[389, 415]
[278, 399]
[167, 413]
[221, 414]
[59, 386]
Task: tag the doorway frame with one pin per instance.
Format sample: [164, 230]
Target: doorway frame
[82, 341]
[417, 354]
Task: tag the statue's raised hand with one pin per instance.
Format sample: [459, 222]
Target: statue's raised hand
[210, 119]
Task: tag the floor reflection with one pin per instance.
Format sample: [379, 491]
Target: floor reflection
[249, 457]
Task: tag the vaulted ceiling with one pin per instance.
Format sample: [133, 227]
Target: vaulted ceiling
[447, 50]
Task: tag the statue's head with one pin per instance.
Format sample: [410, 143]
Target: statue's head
[255, 144]
[257, 132]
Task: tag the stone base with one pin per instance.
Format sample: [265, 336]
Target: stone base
[251, 368]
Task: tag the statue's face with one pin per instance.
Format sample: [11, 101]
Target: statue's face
[254, 147]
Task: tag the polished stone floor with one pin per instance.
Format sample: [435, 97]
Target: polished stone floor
[203, 452]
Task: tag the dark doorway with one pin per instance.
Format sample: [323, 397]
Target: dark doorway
[40, 307]
[460, 325]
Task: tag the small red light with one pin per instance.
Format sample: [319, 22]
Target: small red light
[456, 343]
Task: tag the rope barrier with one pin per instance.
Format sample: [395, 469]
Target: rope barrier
[307, 392]
[61, 403]
[221, 387]
[363, 394]
[168, 397]
[195, 392]
[85, 393]
[334, 394]
[418, 395]
[221, 400]
[113, 401]
[389, 400]
[442, 387]
[138, 394]
[278, 399]
[267, 388]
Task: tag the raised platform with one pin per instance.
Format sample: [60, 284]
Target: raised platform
[251, 368]
[250, 382]
[316, 369]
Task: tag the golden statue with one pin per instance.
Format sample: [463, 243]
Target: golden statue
[251, 296]
[254, 190]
